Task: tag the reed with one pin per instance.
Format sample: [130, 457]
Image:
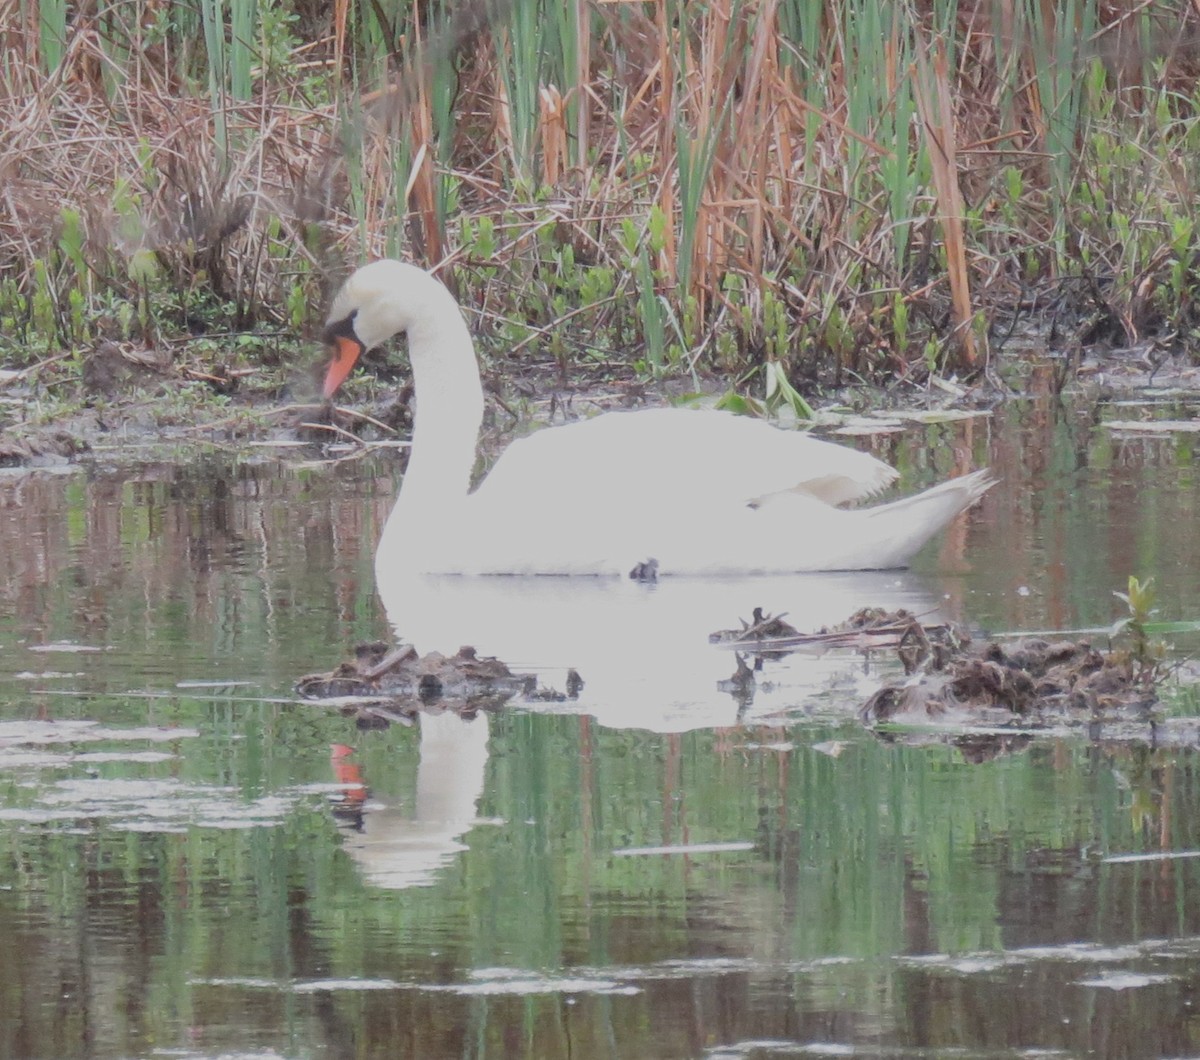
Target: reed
[52, 33]
[837, 189]
[212, 19]
[1058, 65]
[935, 104]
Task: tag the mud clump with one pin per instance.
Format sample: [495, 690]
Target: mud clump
[761, 627]
[109, 369]
[869, 628]
[48, 446]
[1026, 683]
[384, 684]
[1031, 679]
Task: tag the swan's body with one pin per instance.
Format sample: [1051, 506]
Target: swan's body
[700, 492]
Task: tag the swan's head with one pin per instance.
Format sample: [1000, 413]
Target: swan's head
[378, 301]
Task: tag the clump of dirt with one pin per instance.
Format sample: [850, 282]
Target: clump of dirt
[109, 369]
[386, 684]
[51, 445]
[1028, 682]
[1029, 679]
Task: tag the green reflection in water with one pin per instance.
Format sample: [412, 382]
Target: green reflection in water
[884, 851]
[212, 901]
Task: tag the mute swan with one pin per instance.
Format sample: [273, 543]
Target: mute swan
[702, 492]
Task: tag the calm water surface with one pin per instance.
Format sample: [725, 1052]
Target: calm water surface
[194, 864]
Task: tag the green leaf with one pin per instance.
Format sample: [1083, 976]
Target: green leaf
[1191, 626]
[739, 404]
[779, 391]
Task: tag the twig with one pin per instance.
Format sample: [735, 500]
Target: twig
[272, 413]
[354, 414]
[341, 432]
[21, 373]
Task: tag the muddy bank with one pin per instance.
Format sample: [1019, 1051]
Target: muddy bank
[117, 401]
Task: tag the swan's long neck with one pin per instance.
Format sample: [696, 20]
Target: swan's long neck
[449, 410]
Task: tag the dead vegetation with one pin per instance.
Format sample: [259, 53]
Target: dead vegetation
[1032, 681]
[385, 684]
[850, 190]
[951, 681]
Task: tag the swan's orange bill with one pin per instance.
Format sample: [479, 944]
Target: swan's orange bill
[345, 352]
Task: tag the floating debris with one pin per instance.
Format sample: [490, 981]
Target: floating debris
[686, 848]
[1153, 426]
[646, 571]
[868, 629]
[761, 627]
[1032, 678]
[995, 695]
[768, 636]
[384, 684]
[65, 646]
[782, 747]
[1156, 855]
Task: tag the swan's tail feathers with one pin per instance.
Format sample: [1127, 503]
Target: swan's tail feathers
[899, 529]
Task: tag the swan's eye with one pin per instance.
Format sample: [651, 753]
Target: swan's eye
[345, 348]
[340, 329]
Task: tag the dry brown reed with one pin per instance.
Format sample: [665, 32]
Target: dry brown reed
[751, 178]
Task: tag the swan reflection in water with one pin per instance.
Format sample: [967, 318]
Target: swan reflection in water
[643, 651]
[646, 662]
[399, 844]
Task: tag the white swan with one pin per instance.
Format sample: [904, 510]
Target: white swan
[701, 492]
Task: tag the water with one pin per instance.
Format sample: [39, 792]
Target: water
[194, 864]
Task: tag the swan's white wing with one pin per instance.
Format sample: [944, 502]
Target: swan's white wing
[656, 457]
[700, 492]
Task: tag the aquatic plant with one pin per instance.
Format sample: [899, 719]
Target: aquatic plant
[1146, 656]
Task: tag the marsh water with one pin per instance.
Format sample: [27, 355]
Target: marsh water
[194, 863]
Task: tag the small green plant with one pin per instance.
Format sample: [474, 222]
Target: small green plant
[899, 323]
[781, 393]
[778, 393]
[1146, 655]
[653, 326]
